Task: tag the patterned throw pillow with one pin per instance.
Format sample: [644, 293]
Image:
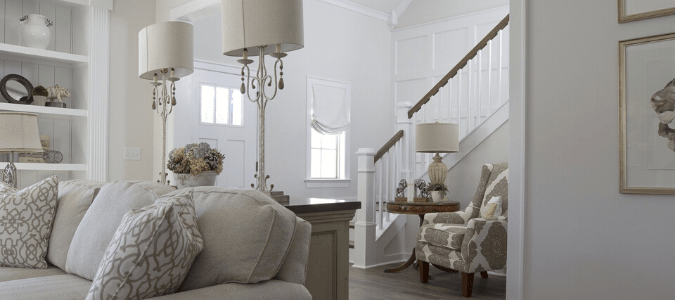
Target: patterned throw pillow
[493, 209]
[151, 252]
[26, 219]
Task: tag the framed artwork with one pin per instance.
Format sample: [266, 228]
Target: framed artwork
[634, 10]
[647, 115]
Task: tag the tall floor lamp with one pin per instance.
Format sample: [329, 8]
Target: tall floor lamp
[165, 51]
[18, 133]
[261, 27]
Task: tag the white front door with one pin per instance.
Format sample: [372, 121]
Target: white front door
[218, 114]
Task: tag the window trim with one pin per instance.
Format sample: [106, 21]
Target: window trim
[344, 181]
[216, 86]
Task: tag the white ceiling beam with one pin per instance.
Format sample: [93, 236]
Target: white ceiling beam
[400, 9]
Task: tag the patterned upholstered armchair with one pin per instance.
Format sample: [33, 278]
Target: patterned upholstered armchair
[466, 241]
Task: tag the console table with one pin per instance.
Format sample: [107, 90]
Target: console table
[328, 265]
[419, 208]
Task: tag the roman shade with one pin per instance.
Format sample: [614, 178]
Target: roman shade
[329, 109]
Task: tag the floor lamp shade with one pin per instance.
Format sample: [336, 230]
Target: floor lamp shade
[19, 132]
[166, 45]
[252, 23]
[437, 138]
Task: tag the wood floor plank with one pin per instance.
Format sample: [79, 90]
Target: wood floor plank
[405, 285]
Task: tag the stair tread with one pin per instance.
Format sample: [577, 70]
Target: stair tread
[351, 224]
[351, 244]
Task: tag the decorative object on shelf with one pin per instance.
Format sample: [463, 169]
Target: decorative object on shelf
[36, 157]
[634, 10]
[18, 133]
[647, 115]
[52, 157]
[437, 138]
[165, 49]
[437, 191]
[56, 95]
[420, 194]
[40, 95]
[16, 89]
[195, 165]
[36, 31]
[274, 28]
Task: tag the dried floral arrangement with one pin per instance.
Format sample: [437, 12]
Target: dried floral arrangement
[194, 159]
[437, 187]
[40, 91]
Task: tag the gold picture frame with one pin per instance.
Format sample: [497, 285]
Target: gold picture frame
[624, 18]
[637, 83]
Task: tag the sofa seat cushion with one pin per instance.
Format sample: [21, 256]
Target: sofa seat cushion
[75, 197]
[151, 252]
[442, 235]
[101, 220]
[246, 237]
[8, 273]
[272, 289]
[26, 219]
[57, 287]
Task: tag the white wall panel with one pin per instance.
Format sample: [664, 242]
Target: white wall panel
[411, 54]
[62, 32]
[450, 47]
[13, 12]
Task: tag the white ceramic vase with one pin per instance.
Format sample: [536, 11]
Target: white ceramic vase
[36, 31]
[207, 178]
[436, 196]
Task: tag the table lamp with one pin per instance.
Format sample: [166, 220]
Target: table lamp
[18, 133]
[437, 138]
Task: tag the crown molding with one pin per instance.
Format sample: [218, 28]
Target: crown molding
[357, 8]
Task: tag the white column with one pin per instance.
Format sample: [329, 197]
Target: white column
[408, 146]
[99, 91]
[364, 228]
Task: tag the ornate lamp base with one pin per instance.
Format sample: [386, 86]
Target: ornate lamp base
[438, 170]
[9, 174]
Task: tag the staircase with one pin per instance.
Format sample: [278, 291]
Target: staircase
[472, 97]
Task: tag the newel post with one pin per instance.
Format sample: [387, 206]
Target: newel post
[407, 162]
[365, 227]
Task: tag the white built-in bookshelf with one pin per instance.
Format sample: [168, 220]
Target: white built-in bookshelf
[78, 59]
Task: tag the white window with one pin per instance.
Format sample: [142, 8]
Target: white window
[328, 107]
[221, 105]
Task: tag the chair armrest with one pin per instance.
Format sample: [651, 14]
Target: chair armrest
[484, 245]
[458, 217]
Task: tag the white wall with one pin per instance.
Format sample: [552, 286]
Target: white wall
[462, 180]
[340, 45]
[583, 239]
[424, 11]
[131, 117]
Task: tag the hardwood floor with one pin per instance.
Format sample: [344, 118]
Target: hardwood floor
[405, 285]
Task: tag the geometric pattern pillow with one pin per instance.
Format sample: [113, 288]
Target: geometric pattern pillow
[151, 251]
[26, 218]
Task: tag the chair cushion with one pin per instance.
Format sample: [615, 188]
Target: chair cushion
[7, 273]
[151, 252]
[440, 256]
[246, 237]
[101, 220]
[497, 185]
[57, 287]
[442, 235]
[26, 218]
[75, 197]
[271, 289]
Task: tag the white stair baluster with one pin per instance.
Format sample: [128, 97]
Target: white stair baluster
[500, 66]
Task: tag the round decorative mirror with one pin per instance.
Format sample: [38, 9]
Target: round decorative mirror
[16, 89]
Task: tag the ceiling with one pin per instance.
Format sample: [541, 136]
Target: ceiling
[385, 6]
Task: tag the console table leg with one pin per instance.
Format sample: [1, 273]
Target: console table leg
[403, 266]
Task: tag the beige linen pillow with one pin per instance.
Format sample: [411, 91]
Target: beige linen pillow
[26, 218]
[151, 252]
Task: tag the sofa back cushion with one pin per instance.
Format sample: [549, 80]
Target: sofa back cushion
[100, 222]
[75, 197]
[247, 236]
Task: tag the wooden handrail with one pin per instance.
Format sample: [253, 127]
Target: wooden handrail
[392, 141]
[469, 56]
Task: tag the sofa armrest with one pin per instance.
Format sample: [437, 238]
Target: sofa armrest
[271, 289]
[294, 267]
[458, 217]
[484, 245]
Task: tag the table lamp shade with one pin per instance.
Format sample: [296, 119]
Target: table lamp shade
[437, 138]
[19, 132]
[252, 23]
[166, 45]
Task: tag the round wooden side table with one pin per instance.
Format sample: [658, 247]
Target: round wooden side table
[419, 208]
